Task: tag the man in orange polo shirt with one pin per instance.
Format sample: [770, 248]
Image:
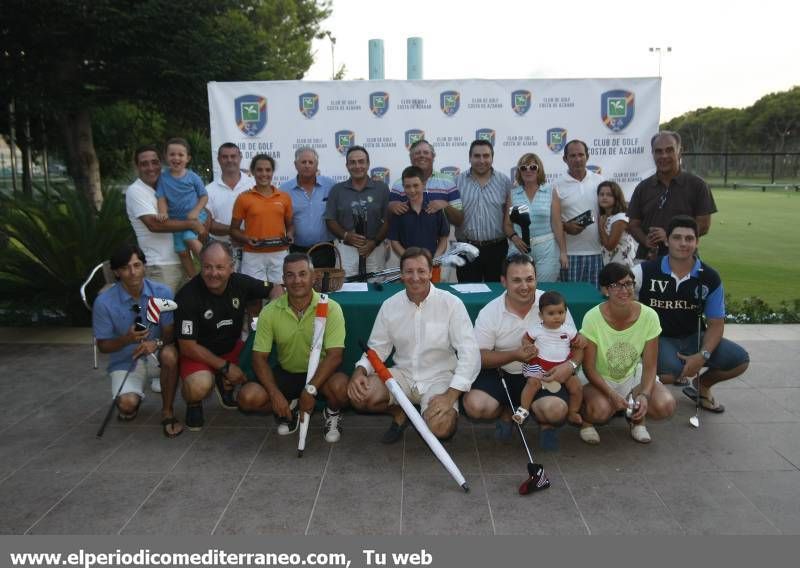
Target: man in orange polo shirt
[267, 214]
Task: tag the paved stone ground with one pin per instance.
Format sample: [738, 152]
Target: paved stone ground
[738, 474]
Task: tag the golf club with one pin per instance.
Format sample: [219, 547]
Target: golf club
[537, 479]
[694, 421]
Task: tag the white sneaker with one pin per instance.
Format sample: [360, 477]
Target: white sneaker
[286, 427]
[155, 385]
[640, 433]
[589, 435]
[333, 425]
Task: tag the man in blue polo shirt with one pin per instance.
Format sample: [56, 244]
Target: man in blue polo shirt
[681, 288]
[115, 316]
[309, 192]
[417, 227]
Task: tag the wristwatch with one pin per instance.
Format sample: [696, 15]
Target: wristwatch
[574, 366]
[159, 344]
[706, 354]
[311, 389]
[225, 368]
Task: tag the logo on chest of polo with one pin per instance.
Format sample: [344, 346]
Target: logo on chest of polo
[660, 284]
[235, 303]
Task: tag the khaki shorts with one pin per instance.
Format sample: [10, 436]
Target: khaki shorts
[418, 393]
[168, 274]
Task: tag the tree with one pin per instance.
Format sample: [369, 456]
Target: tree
[72, 57]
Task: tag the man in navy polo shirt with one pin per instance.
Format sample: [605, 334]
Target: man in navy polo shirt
[417, 227]
[681, 288]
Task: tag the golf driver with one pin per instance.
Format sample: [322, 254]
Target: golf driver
[537, 478]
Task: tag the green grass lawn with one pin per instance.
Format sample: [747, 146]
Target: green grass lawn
[754, 243]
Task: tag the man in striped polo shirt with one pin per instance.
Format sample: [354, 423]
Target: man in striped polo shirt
[484, 194]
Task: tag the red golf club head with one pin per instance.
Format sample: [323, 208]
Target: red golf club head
[537, 480]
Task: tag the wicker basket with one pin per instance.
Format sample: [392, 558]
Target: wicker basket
[332, 277]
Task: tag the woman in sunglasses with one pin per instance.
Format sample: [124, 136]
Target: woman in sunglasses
[619, 360]
[547, 248]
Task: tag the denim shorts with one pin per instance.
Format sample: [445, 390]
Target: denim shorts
[728, 355]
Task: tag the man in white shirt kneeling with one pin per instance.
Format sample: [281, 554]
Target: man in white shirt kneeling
[436, 355]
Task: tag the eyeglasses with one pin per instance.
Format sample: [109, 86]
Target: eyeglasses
[629, 285]
[532, 167]
[662, 200]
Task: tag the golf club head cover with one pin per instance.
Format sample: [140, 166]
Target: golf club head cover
[537, 480]
[157, 305]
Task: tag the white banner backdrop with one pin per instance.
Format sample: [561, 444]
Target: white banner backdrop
[615, 117]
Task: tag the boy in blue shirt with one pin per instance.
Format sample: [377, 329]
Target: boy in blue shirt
[182, 195]
[416, 227]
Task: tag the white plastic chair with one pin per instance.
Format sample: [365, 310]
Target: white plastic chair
[108, 281]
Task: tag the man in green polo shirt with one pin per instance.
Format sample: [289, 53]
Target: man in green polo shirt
[287, 323]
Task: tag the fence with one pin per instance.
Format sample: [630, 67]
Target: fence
[774, 167]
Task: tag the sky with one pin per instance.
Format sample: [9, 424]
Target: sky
[724, 54]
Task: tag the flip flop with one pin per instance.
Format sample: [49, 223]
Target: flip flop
[707, 403]
[166, 423]
[682, 381]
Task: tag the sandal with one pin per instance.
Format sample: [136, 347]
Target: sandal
[520, 415]
[171, 421]
[707, 403]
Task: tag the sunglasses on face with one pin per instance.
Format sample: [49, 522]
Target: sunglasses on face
[532, 167]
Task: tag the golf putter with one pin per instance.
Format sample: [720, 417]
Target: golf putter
[537, 478]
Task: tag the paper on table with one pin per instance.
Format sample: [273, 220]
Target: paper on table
[472, 288]
[354, 287]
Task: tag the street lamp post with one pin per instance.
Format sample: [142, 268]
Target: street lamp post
[660, 51]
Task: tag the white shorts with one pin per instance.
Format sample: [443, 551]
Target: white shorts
[375, 261]
[146, 368]
[418, 393]
[626, 387]
[264, 265]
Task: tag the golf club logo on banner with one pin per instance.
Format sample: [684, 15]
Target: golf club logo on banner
[309, 104]
[251, 114]
[616, 109]
[449, 102]
[487, 134]
[556, 138]
[521, 101]
[412, 136]
[379, 103]
[451, 170]
[380, 174]
[596, 169]
[344, 139]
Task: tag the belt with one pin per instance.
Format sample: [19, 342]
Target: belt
[484, 243]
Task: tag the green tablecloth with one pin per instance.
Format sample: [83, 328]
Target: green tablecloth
[361, 308]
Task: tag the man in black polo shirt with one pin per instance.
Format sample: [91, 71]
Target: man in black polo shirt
[663, 195]
[211, 310]
[680, 287]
